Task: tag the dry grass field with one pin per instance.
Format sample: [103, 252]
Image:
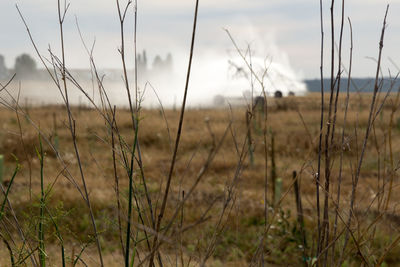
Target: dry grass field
[223, 219]
[299, 181]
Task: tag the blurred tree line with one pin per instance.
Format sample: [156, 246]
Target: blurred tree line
[159, 66]
[24, 67]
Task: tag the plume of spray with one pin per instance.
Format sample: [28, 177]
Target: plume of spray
[224, 73]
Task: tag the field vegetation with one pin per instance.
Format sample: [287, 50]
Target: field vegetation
[307, 180]
[226, 211]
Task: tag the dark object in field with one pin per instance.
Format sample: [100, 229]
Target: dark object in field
[259, 103]
[278, 94]
[299, 207]
[251, 150]
[219, 100]
[273, 168]
[291, 93]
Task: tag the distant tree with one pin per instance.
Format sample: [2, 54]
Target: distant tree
[168, 62]
[142, 62]
[158, 63]
[163, 66]
[144, 58]
[25, 66]
[219, 100]
[3, 68]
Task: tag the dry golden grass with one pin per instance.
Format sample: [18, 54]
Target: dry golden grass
[296, 146]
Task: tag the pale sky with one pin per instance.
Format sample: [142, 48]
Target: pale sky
[288, 29]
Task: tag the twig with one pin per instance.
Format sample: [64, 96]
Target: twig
[360, 161]
[178, 136]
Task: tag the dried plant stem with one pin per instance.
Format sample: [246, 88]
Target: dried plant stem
[273, 169]
[128, 228]
[365, 141]
[7, 244]
[318, 174]
[28, 159]
[178, 136]
[71, 120]
[325, 224]
[339, 182]
[17, 224]
[392, 171]
[42, 251]
[139, 153]
[58, 234]
[116, 179]
[249, 120]
[335, 84]
[265, 140]
[17, 168]
[300, 213]
[134, 113]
